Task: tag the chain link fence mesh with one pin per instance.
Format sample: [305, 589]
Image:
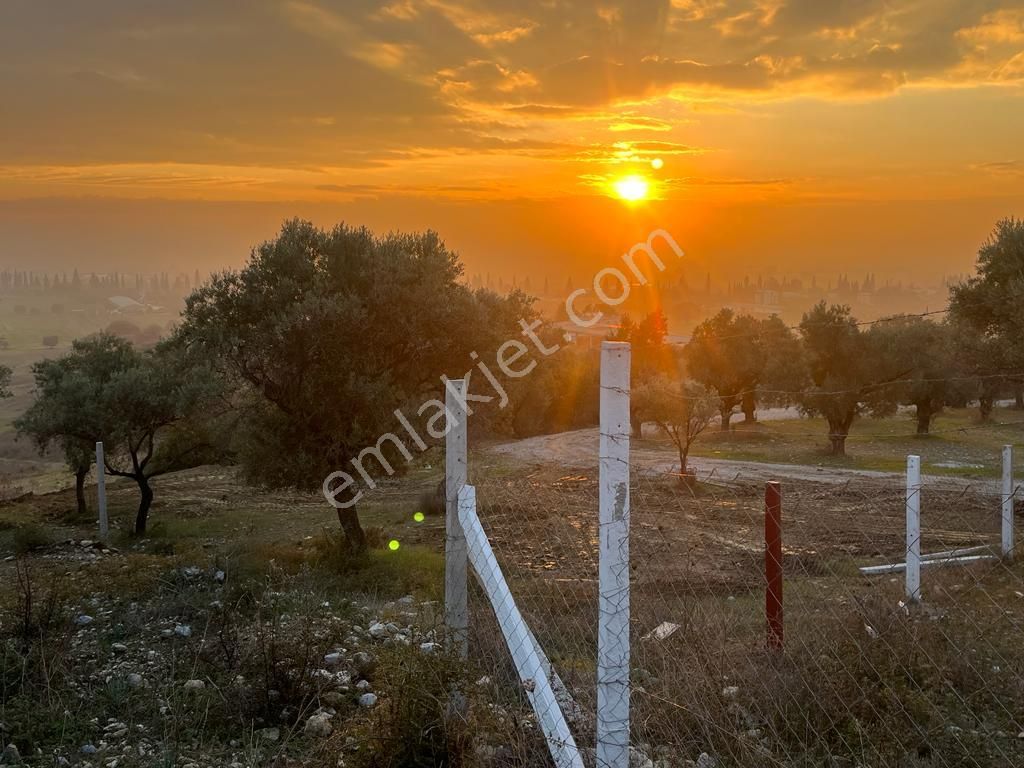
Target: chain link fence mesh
[865, 679]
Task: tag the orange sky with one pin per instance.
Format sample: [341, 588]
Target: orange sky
[794, 134]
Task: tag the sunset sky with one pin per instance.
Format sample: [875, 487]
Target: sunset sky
[793, 135]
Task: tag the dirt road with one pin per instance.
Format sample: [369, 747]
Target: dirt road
[579, 449]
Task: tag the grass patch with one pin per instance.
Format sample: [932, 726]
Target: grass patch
[960, 444]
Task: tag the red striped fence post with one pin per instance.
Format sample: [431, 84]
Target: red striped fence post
[773, 563]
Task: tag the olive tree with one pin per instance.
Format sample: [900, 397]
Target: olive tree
[991, 301]
[143, 406]
[736, 355]
[927, 349]
[986, 310]
[42, 423]
[682, 410]
[849, 373]
[325, 334]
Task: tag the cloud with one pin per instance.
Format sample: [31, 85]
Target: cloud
[1002, 167]
[639, 123]
[415, 86]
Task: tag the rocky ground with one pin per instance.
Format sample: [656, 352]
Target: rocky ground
[203, 668]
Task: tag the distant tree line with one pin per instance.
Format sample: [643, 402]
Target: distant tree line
[833, 366]
[296, 363]
[159, 282]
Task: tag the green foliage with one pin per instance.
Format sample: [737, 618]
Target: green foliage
[737, 354]
[326, 334]
[5, 381]
[849, 370]
[416, 728]
[928, 350]
[682, 410]
[985, 310]
[31, 537]
[562, 393]
[649, 354]
[139, 404]
[981, 360]
[992, 299]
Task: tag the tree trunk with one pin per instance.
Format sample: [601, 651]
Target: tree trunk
[726, 414]
[80, 475]
[985, 406]
[348, 518]
[682, 461]
[924, 418]
[837, 433]
[749, 406]
[145, 502]
[1018, 397]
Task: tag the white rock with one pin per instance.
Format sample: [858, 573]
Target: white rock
[368, 700]
[183, 630]
[706, 761]
[118, 647]
[219, 576]
[638, 759]
[429, 647]
[363, 685]
[319, 726]
[134, 680]
[378, 631]
[194, 685]
[730, 690]
[83, 619]
[269, 734]
[332, 659]
[364, 663]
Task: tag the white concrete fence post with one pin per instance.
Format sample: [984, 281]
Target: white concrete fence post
[1007, 508]
[613, 569]
[914, 528]
[101, 494]
[456, 596]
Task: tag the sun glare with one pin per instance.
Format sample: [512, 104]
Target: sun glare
[632, 188]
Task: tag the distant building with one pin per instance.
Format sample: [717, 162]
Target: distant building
[128, 306]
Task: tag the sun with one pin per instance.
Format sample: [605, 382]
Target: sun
[632, 188]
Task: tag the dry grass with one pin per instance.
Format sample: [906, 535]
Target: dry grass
[863, 680]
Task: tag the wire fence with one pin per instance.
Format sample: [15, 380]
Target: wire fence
[639, 619]
[864, 678]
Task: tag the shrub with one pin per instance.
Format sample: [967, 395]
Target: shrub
[413, 725]
[31, 537]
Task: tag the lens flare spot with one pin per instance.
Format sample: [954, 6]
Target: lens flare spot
[419, 517]
[657, 163]
[393, 545]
